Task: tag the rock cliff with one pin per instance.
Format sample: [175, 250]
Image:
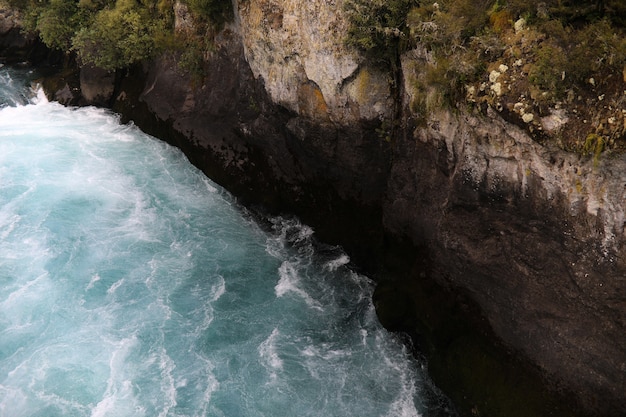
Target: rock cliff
[504, 258]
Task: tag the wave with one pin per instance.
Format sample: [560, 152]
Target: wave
[132, 285]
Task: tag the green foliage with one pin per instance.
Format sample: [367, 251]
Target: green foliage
[447, 29]
[501, 20]
[594, 48]
[461, 36]
[56, 23]
[569, 12]
[597, 46]
[449, 24]
[456, 35]
[378, 28]
[192, 57]
[548, 71]
[118, 37]
[215, 11]
[112, 33]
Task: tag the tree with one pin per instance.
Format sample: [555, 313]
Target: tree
[118, 37]
[56, 23]
[112, 33]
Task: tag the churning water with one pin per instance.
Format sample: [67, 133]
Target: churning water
[132, 285]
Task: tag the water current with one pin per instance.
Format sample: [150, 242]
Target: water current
[132, 285]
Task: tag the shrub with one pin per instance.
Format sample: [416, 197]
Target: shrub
[215, 11]
[455, 34]
[117, 37]
[597, 46]
[471, 16]
[112, 33]
[569, 12]
[378, 28]
[56, 23]
[501, 20]
[548, 71]
[594, 48]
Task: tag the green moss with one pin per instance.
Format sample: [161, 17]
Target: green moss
[549, 69]
[594, 145]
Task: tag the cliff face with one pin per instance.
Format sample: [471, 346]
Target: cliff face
[530, 237]
[297, 50]
[534, 236]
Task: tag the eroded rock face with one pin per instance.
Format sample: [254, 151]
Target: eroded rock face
[96, 85]
[298, 49]
[534, 236]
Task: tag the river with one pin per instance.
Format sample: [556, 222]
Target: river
[132, 285]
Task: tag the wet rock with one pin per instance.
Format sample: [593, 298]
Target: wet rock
[96, 85]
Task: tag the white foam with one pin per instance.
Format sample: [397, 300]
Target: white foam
[212, 385]
[304, 233]
[208, 385]
[364, 335]
[324, 352]
[95, 278]
[269, 356]
[288, 283]
[209, 185]
[404, 405]
[40, 95]
[119, 391]
[25, 289]
[8, 223]
[337, 263]
[66, 405]
[115, 403]
[115, 286]
[11, 399]
[168, 385]
[206, 310]
[290, 233]
[218, 289]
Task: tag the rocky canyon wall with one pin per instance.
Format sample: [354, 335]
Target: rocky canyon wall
[534, 235]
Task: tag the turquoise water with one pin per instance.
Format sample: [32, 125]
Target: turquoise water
[132, 285]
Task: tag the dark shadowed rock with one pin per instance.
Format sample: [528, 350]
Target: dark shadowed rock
[96, 85]
[533, 236]
[17, 47]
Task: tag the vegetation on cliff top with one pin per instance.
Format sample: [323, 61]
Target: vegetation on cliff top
[543, 64]
[555, 67]
[112, 34]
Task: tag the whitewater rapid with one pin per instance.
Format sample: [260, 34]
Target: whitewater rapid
[132, 285]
